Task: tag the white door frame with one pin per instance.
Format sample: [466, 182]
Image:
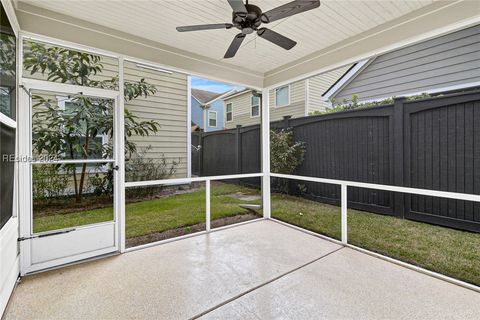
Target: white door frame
[25, 139]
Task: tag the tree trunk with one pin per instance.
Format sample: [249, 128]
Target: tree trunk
[77, 199]
[84, 171]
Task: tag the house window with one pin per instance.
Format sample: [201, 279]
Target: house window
[212, 118]
[229, 112]
[282, 96]
[255, 109]
[96, 146]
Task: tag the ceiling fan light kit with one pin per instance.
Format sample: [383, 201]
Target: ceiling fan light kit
[248, 18]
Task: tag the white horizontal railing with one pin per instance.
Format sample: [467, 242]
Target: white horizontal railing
[190, 180]
[384, 187]
[344, 184]
[207, 180]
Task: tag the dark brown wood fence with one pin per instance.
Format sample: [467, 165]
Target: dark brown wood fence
[431, 144]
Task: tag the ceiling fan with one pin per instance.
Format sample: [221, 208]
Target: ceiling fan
[248, 18]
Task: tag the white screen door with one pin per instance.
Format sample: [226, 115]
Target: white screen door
[73, 172]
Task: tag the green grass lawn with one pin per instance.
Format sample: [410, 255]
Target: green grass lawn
[451, 252]
[160, 214]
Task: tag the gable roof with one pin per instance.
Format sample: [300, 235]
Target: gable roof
[207, 97]
[234, 94]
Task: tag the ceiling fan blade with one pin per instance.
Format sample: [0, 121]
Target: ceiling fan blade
[276, 38]
[205, 27]
[289, 9]
[238, 6]
[232, 50]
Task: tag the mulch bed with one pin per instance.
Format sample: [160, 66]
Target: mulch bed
[153, 237]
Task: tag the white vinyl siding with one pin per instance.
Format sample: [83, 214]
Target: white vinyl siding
[212, 119]
[169, 108]
[241, 106]
[318, 85]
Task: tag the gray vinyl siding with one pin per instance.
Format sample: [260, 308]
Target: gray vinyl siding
[449, 60]
[319, 84]
[241, 105]
[169, 108]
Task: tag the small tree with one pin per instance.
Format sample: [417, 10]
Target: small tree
[285, 153]
[72, 134]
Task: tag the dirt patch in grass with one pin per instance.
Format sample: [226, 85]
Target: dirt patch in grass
[158, 236]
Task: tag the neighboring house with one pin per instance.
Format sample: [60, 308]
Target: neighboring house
[297, 99]
[207, 109]
[446, 63]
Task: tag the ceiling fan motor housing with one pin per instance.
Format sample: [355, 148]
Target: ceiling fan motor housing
[247, 22]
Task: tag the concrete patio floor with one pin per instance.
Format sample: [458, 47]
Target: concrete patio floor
[260, 270]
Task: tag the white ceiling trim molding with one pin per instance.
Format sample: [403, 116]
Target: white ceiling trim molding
[53, 25]
[426, 23]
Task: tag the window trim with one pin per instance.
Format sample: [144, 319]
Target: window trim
[289, 96]
[208, 118]
[227, 112]
[256, 105]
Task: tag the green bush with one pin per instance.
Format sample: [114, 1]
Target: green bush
[141, 168]
[49, 181]
[353, 104]
[286, 155]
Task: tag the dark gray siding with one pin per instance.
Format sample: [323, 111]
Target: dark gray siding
[449, 60]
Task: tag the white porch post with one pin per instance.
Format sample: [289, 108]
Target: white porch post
[207, 205]
[266, 153]
[344, 207]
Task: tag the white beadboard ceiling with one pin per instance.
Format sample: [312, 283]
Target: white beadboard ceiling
[156, 20]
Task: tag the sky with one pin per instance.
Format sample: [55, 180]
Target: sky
[214, 86]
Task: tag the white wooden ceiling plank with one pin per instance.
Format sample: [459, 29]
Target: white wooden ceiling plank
[156, 20]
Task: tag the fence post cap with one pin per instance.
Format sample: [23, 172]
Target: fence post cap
[238, 125]
[287, 117]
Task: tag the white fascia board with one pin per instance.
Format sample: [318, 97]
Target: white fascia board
[221, 96]
[347, 78]
[237, 94]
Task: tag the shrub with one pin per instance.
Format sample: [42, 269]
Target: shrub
[353, 104]
[286, 155]
[141, 168]
[48, 181]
